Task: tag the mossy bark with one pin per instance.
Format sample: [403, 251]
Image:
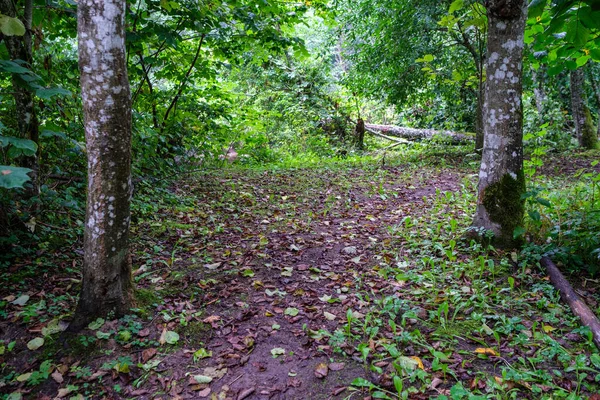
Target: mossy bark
[505, 208]
[584, 126]
[501, 179]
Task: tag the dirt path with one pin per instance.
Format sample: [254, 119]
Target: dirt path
[291, 285]
[273, 276]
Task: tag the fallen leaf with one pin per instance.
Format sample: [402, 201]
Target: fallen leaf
[21, 300]
[291, 311]
[486, 351]
[329, 316]
[204, 393]
[35, 344]
[148, 354]
[203, 379]
[23, 377]
[321, 370]
[277, 351]
[419, 362]
[212, 319]
[245, 393]
[336, 366]
[57, 376]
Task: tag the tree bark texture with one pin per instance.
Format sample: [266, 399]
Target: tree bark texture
[501, 177]
[584, 127]
[538, 90]
[19, 48]
[107, 284]
[596, 94]
[420, 134]
[359, 134]
[569, 296]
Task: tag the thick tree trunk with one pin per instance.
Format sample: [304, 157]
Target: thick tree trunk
[584, 127]
[501, 178]
[420, 134]
[107, 285]
[19, 48]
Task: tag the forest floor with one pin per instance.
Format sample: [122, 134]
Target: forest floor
[326, 283]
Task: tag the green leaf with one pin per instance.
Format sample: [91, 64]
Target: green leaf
[203, 379]
[171, 337]
[24, 146]
[47, 94]
[536, 8]
[581, 61]
[398, 384]
[291, 311]
[35, 344]
[97, 324]
[124, 336]
[103, 335]
[12, 67]
[202, 353]
[13, 177]
[577, 34]
[362, 382]
[518, 232]
[11, 26]
[595, 53]
[277, 351]
[456, 5]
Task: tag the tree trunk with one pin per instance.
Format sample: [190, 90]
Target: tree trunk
[479, 132]
[19, 48]
[420, 134]
[596, 94]
[107, 285]
[359, 134]
[538, 91]
[584, 127]
[501, 178]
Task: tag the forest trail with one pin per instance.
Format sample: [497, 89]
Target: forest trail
[303, 284]
[295, 253]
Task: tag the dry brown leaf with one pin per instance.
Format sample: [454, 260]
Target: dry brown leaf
[148, 354]
[321, 370]
[336, 366]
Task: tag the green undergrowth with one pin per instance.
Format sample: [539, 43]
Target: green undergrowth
[563, 219]
[483, 321]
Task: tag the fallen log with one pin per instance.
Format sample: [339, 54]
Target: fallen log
[392, 139]
[568, 294]
[421, 134]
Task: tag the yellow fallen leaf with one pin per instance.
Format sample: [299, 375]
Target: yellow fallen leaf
[548, 328]
[487, 351]
[419, 362]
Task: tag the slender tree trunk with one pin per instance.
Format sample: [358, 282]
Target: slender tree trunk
[596, 94]
[501, 178]
[359, 134]
[538, 91]
[107, 285]
[584, 127]
[19, 48]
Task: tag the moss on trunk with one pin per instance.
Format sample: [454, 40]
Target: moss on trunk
[503, 203]
[589, 137]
